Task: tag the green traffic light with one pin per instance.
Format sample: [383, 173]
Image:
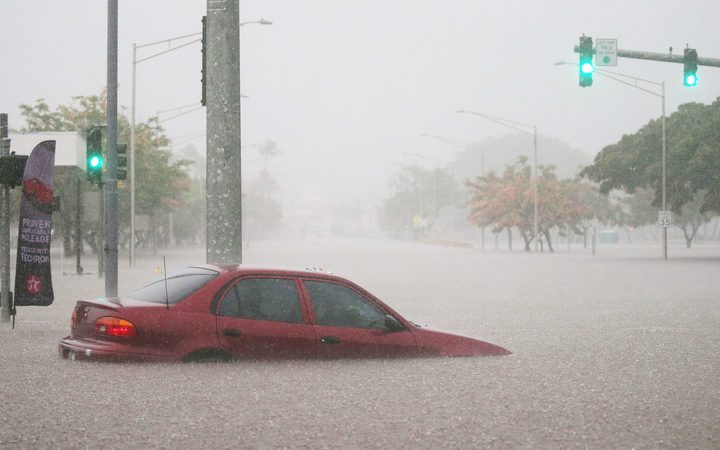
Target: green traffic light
[95, 162]
[587, 68]
[690, 80]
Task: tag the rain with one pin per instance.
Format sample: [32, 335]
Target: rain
[445, 157]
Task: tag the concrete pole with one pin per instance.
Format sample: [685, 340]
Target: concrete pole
[4, 228]
[223, 186]
[111, 204]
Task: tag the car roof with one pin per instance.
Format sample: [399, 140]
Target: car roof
[242, 269]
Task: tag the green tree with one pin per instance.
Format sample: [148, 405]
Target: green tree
[692, 159]
[160, 183]
[417, 193]
[691, 217]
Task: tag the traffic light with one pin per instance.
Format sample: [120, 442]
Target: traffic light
[94, 155]
[690, 60]
[122, 162]
[586, 66]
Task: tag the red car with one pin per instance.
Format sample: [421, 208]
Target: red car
[225, 312]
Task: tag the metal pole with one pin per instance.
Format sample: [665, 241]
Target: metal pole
[132, 159]
[111, 197]
[482, 229]
[535, 189]
[664, 245]
[665, 57]
[223, 181]
[452, 200]
[78, 224]
[4, 228]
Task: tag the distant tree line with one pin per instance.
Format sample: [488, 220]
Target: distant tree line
[622, 187]
[164, 185]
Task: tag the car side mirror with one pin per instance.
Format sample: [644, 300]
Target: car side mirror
[392, 324]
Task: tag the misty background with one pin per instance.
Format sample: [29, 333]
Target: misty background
[346, 89]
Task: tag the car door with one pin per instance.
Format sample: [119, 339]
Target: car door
[263, 317]
[350, 324]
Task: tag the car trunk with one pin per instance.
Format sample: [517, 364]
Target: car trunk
[87, 312]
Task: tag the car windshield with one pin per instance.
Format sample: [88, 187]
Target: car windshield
[179, 285]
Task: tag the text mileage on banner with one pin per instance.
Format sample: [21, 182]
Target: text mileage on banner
[33, 280]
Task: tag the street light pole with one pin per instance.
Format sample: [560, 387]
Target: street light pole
[608, 74]
[135, 62]
[664, 245]
[131, 176]
[515, 126]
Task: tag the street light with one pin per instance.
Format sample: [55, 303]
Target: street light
[515, 126]
[135, 62]
[608, 74]
[259, 22]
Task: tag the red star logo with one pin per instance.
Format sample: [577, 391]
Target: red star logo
[33, 284]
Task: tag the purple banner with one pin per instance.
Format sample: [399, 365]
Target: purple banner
[33, 281]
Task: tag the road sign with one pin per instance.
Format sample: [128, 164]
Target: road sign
[606, 52]
[665, 218]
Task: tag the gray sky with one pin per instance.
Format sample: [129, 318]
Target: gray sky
[345, 87]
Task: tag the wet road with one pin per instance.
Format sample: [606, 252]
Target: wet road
[619, 350]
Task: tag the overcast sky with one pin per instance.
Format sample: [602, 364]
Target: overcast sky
[345, 87]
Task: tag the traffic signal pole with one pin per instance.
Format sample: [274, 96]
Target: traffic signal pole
[665, 57]
[689, 59]
[5, 299]
[111, 205]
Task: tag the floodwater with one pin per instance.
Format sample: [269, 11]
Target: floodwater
[618, 350]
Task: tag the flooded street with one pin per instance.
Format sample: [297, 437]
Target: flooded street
[617, 350]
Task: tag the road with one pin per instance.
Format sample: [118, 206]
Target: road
[620, 350]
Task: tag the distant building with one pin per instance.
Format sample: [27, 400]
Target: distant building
[70, 147]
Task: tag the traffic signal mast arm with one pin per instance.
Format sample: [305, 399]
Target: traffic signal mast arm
[665, 57]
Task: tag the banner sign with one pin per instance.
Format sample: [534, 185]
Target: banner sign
[33, 282]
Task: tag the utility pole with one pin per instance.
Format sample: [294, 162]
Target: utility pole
[224, 215]
[111, 212]
[4, 228]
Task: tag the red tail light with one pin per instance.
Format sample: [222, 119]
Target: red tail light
[74, 319]
[112, 326]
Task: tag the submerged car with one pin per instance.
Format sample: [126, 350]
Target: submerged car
[227, 312]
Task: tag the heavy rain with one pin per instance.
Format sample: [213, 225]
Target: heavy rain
[540, 176]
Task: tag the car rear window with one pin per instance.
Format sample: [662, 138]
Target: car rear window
[179, 285]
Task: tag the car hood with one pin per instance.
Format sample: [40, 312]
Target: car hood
[443, 343]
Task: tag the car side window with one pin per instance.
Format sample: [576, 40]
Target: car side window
[274, 299]
[339, 306]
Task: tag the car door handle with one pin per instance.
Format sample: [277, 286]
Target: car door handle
[231, 332]
[330, 340]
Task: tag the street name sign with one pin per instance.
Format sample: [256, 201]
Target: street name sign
[606, 52]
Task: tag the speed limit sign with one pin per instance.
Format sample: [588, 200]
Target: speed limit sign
[665, 219]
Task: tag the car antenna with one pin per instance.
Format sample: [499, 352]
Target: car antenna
[167, 300]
